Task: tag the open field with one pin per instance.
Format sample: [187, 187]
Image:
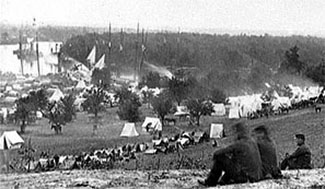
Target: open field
[77, 137]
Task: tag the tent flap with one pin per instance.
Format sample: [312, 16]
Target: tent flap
[10, 140]
[152, 123]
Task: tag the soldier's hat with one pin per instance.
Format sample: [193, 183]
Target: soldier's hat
[300, 136]
[261, 129]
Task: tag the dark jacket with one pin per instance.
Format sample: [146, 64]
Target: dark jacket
[268, 155]
[245, 154]
[301, 157]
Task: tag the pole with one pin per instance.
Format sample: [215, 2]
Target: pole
[37, 55]
[136, 53]
[177, 50]
[21, 53]
[109, 45]
[121, 53]
[142, 54]
[59, 60]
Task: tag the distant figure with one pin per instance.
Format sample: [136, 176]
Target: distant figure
[318, 108]
[301, 158]
[240, 161]
[268, 153]
[56, 159]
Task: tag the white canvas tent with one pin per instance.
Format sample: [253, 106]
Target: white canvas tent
[219, 110]
[152, 123]
[91, 58]
[181, 110]
[129, 130]
[234, 113]
[216, 130]
[10, 140]
[10, 99]
[280, 102]
[81, 85]
[56, 96]
[101, 63]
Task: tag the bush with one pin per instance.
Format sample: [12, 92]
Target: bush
[129, 104]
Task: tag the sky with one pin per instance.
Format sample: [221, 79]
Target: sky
[304, 17]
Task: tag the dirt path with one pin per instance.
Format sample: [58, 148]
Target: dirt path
[148, 179]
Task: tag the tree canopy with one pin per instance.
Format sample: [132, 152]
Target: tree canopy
[198, 108]
[162, 105]
[231, 63]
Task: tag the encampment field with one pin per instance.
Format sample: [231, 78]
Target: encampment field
[78, 137]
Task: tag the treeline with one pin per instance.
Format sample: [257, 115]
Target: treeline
[10, 33]
[236, 64]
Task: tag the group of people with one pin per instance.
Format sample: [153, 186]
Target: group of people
[253, 157]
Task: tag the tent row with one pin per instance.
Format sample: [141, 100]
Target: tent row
[150, 124]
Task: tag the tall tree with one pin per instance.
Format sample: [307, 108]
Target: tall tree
[292, 63]
[94, 104]
[101, 77]
[39, 100]
[179, 89]
[198, 108]
[61, 112]
[27, 106]
[162, 105]
[129, 104]
[24, 107]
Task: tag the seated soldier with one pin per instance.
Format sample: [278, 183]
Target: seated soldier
[301, 158]
[240, 161]
[268, 153]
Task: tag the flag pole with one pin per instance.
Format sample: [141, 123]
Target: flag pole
[21, 52]
[142, 54]
[109, 45]
[136, 52]
[37, 50]
[121, 53]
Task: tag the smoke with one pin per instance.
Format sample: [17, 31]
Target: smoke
[160, 70]
[295, 80]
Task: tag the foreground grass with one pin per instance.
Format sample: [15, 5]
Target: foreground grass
[150, 179]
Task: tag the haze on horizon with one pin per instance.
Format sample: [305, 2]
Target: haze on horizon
[276, 17]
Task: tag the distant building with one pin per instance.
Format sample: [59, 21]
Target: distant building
[48, 59]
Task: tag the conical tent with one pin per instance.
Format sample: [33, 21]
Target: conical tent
[56, 96]
[81, 85]
[92, 56]
[101, 63]
[10, 140]
[129, 130]
[152, 123]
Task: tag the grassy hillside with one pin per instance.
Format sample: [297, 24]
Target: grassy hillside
[77, 137]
